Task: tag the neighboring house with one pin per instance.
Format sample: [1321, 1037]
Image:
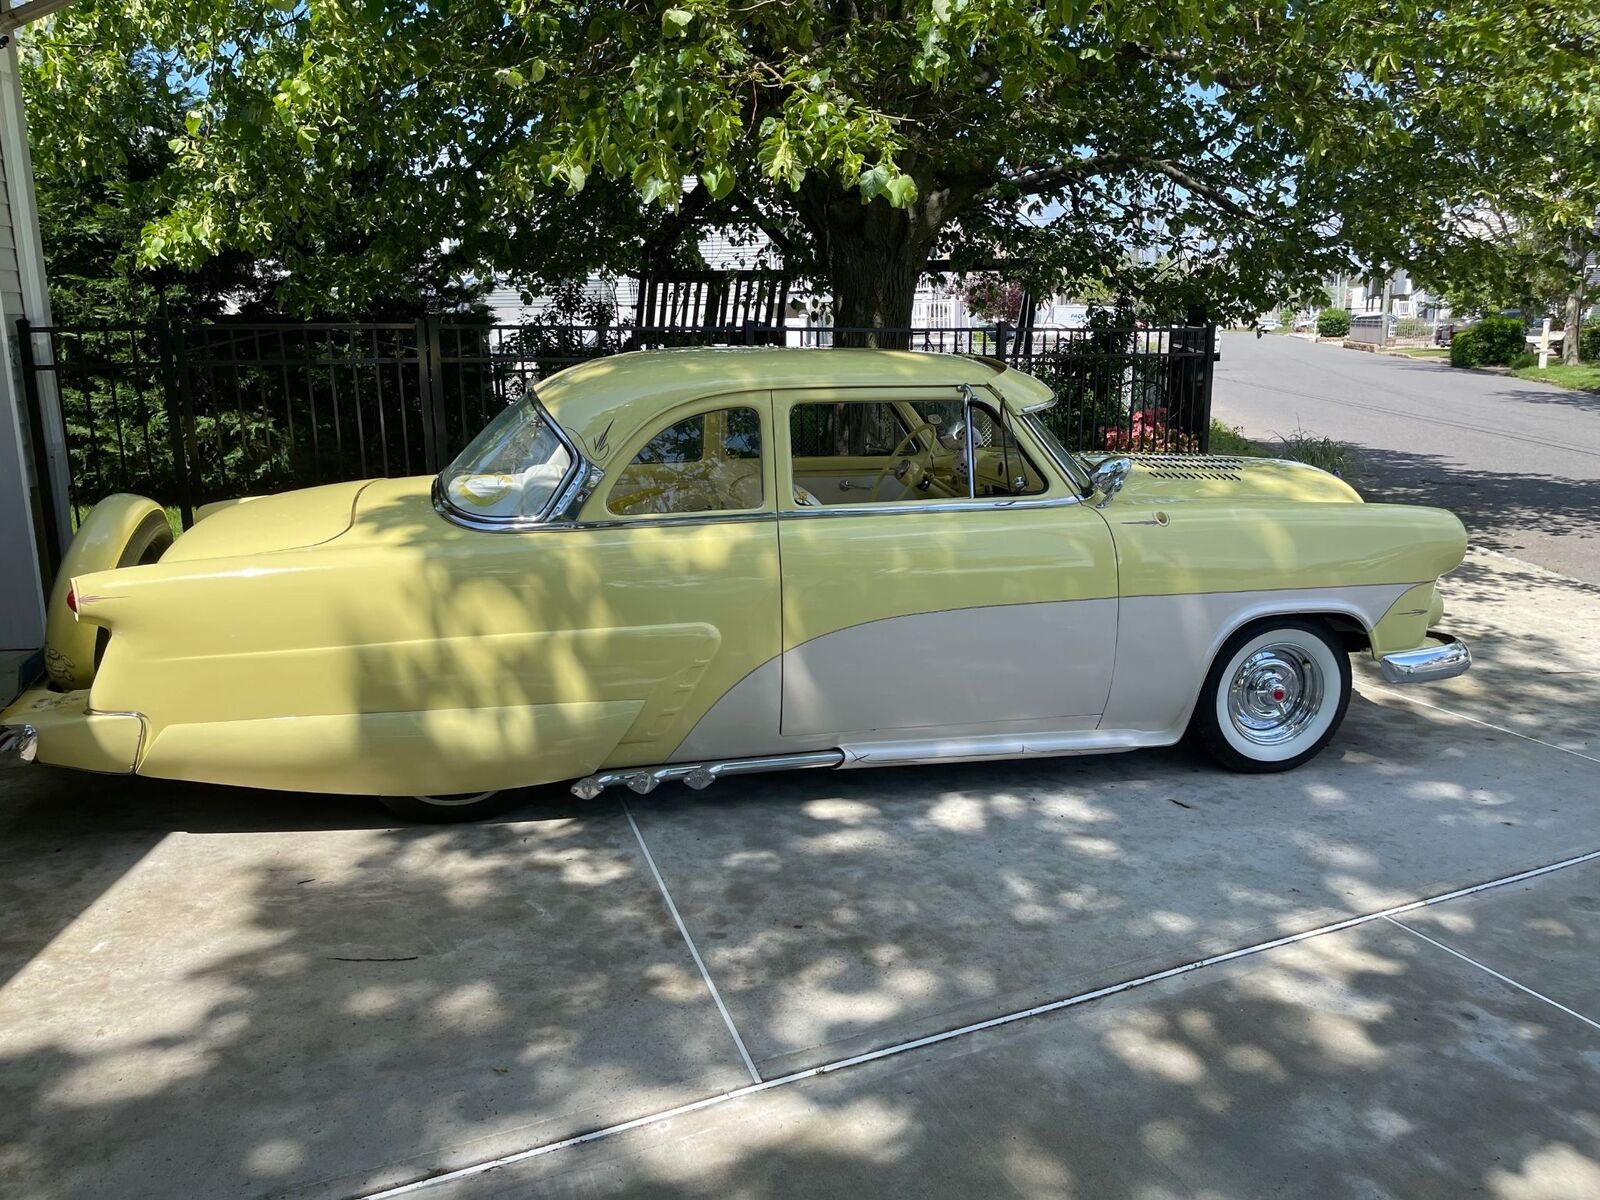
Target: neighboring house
[936, 304]
[1365, 294]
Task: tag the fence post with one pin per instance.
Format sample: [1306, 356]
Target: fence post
[180, 411]
[1205, 387]
[430, 394]
[51, 519]
[1000, 339]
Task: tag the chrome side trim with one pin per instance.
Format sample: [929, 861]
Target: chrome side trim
[1445, 659]
[863, 510]
[644, 780]
[19, 744]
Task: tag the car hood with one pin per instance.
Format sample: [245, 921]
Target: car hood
[1173, 477]
[262, 524]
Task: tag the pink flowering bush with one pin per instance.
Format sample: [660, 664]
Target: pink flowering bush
[1149, 435]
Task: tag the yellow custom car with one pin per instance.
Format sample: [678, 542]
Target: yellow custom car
[687, 564]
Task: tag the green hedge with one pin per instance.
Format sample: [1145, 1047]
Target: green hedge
[1493, 341]
[1333, 322]
[1589, 342]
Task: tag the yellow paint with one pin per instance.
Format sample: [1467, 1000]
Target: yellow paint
[516, 635]
[1406, 624]
[292, 520]
[102, 541]
[70, 735]
[349, 638]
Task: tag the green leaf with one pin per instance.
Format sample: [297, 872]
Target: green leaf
[718, 180]
[901, 190]
[675, 20]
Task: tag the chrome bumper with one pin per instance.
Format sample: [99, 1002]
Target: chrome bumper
[18, 744]
[1444, 657]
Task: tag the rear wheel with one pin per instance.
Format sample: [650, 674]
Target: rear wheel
[1274, 697]
[443, 810]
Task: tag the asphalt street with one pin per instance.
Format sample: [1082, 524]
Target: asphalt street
[1519, 462]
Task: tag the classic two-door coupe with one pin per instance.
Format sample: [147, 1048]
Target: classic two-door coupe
[686, 564]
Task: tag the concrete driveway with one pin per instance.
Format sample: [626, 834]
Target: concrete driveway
[1119, 976]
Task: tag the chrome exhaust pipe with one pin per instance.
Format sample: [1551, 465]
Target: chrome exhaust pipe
[701, 775]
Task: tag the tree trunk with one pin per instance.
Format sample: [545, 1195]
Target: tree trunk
[874, 254]
[1571, 341]
[874, 289]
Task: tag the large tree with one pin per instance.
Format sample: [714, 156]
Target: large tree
[1212, 156]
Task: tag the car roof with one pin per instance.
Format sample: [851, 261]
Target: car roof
[602, 401]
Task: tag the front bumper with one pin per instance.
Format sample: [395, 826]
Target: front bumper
[1441, 657]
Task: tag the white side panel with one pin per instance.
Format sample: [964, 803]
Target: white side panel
[956, 669]
[742, 723]
[1165, 644]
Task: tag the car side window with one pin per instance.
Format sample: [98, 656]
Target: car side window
[908, 450]
[710, 462]
[1003, 469]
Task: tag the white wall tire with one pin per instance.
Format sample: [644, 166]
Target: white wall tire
[1274, 697]
[449, 810]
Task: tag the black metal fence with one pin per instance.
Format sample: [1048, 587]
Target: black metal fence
[191, 414]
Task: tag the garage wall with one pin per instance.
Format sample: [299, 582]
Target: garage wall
[22, 293]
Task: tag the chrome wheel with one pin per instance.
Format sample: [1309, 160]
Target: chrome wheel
[1275, 693]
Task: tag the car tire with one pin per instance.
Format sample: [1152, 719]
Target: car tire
[450, 810]
[1274, 697]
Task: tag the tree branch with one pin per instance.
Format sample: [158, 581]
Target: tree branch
[1216, 195]
[1031, 183]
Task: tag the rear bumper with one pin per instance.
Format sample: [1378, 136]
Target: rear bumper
[1441, 657]
[18, 745]
[60, 728]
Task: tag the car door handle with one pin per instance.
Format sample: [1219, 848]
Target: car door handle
[846, 485]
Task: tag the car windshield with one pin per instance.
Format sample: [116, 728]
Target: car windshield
[1069, 462]
[514, 469]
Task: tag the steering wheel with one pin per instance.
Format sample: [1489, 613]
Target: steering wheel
[908, 471]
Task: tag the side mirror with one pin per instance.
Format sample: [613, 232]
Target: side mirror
[1108, 478]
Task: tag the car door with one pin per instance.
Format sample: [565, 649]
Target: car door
[681, 547]
[948, 615]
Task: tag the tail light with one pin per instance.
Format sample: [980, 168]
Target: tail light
[72, 600]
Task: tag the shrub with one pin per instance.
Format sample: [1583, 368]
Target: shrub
[1493, 341]
[1589, 342]
[1335, 457]
[1333, 322]
[1521, 362]
[1149, 435]
[1229, 439]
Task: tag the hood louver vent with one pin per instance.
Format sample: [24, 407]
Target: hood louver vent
[1190, 466]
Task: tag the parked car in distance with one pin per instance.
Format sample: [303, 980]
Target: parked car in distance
[687, 564]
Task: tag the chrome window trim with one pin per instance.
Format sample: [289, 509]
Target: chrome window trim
[1072, 472]
[576, 485]
[569, 525]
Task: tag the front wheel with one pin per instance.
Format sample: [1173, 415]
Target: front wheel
[442, 810]
[1274, 697]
